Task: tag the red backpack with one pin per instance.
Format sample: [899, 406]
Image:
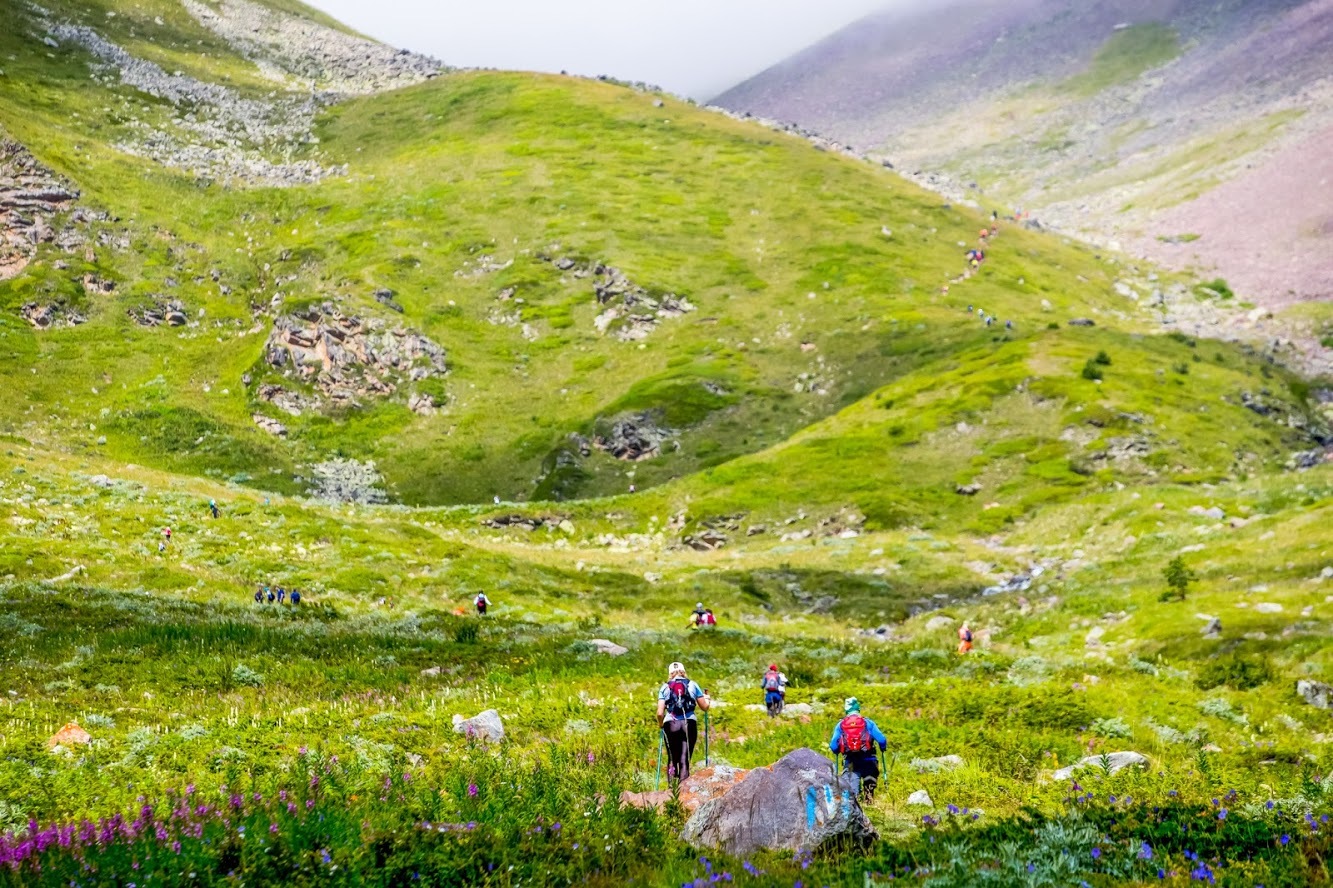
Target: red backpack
[772, 681]
[855, 737]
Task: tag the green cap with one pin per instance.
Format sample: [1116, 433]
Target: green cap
[851, 705]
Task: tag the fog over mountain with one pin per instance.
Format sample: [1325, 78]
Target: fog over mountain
[693, 47]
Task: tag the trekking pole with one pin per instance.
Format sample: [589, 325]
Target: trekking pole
[706, 727]
[661, 741]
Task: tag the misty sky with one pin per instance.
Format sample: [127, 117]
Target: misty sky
[696, 48]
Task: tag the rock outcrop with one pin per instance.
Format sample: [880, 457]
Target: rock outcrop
[796, 804]
[635, 438]
[30, 195]
[347, 357]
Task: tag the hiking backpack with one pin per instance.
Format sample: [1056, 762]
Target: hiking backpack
[855, 737]
[772, 681]
[679, 701]
[967, 635]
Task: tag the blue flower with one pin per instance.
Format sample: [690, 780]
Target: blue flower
[1096, 853]
[1285, 839]
[1222, 815]
[1269, 804]
[1145, 851]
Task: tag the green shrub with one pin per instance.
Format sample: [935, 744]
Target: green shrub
[1091, 370]
[244, 675]
[1240, 672]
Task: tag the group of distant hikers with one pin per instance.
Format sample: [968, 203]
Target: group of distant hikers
[680, 698]
[271, 594]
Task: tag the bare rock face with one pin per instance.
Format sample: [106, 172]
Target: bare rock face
[347, 358]
[796, 804]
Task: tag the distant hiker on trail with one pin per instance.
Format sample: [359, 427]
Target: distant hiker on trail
[282, 594]
[708, 619]
[964, 638]
[259, 595]
[676, 704]
[774, 685]
[854, 739]
[213, 507]
[697, 615]
[482, 602]
[296, 596]
[271, 596]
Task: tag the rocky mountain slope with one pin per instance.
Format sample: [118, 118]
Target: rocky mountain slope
[1121, 121]
[282, 309]
[261, 257]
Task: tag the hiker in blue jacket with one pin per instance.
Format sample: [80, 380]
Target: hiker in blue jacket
[854, 739]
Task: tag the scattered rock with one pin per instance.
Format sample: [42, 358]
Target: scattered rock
[796, 804]
[44, 317]
[1215, 512]
[484, 726]
[1214, 628]
[100, 481]
[1268, 607]
[155, 314]
[968, 489]
[610, 648]
[1110, 763]
[921, 799]
[707, 541]
[431, 672]
[422, 404]
[935, 624]
[1315, 693]
[1082, 322]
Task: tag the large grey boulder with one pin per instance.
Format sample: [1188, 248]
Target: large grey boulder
[1315, 693]
[610, 648]
[796, 804]
[1109, 763]
[482, 726]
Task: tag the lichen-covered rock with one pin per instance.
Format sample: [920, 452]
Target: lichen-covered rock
[1110, 763]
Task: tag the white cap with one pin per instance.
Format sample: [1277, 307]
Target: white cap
[675, 669]
[700, 604]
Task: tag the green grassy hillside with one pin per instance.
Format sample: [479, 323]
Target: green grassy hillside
[777, 248]
[839, 453]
